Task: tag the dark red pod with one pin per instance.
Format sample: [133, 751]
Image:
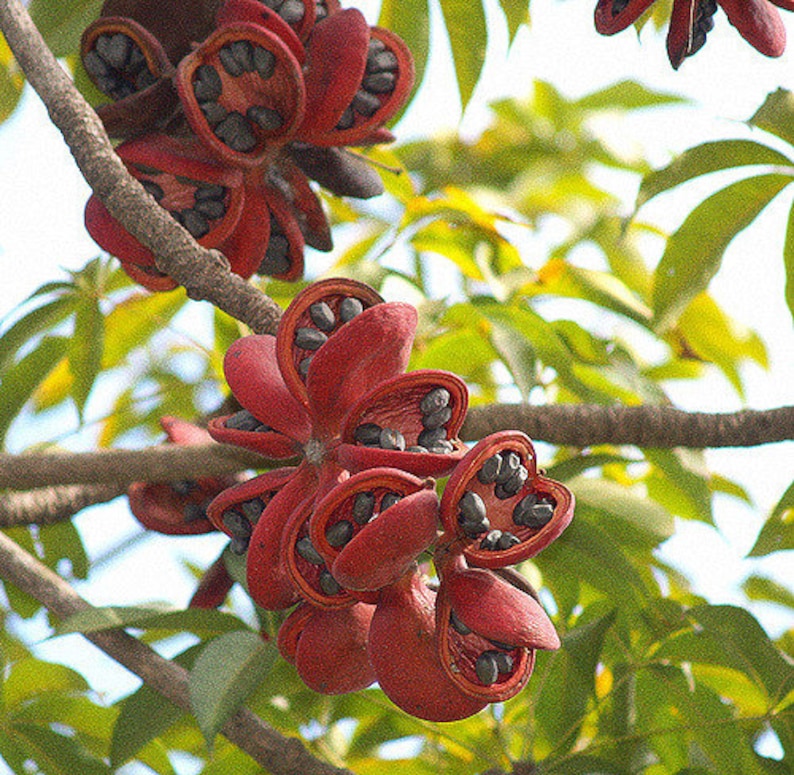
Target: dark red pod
[371, 528]
[282, 257]
[612, 16]
[256, 12]
[214, 586]
[243, 93]
[425, 408]
[500, 510]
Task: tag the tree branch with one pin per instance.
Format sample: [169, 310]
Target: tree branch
[278, 754]
[48, 505]
[204, 273]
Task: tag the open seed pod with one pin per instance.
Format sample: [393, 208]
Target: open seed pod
[409, 422]
[242, 91]
[499, 508]
[371, 528]
[329, 647]
[306, 207]
[488, 631]
[282, 257]
[257, 13]
[612, 16]
[403, 651]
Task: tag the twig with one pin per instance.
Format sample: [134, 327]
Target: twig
[48, 505]
[204, 273]
[276, 753]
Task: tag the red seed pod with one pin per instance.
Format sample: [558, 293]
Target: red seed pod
[500, 510]
[214, 586]
[329, 647]
[371, 528]
[257, 13]
[612, 16]
[283, 252]
[426, 408]
[306, 207]
[488, 631]
[403, 651]
[243, 94]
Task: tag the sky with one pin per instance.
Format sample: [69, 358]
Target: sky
[41, 210]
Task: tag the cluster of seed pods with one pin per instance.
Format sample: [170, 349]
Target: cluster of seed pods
[342, 537]
[228, 108]
[758, 22]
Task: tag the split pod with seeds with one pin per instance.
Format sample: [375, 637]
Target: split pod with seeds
[498, 508]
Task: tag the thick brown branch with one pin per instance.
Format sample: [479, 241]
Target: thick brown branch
[204, 273]
[583, 425]
[276, 753]
[49, 505]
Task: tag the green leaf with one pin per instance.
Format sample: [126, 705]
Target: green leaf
[777, 534]
[468, 37]
[31, 677]
[567, 469]
[768, 590]
[62, 24]
[62, 541]
[788, 261]
[21, 380]
[693, 254]
[626, 95]
[776, 115]
[518, 356]
[226, 672]
[516, 13]
[198, 621]
[706, 158]
[680, 482]
[57, 754]
[11, 81]
[410, 19]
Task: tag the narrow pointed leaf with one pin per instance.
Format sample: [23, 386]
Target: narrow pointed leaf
[410, 19]
[57, 754]
[468, 37]
[85, 349]
[777, 534]
[788, 261]
[776, 115]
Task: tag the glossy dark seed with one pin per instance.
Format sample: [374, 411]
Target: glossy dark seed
[264, 62]
[532, 512]
[266, 118]
[195, 223]
[144, 80]
[442, 447]
[365, 103]
[210, 208]
[472, 507]
[363, 507]
[389, 499]
[235, 132]
[95, 65]
[153, 189]
[429, 438]
[486, 668]
[242, 421]
[417, 448]
[322, 316]
[136, 59]
[243, 52]
[209, 191]
[490, 541]
[339, 533]
[328, 584]
[237, 523]
[291, 11]
[122, 90]
[458, 625]
[276, 260]
[436, 399]
[368, 434]
[229, 61]
[114, 49]
[309, 338]
[510, 464]
[262, 428]
[490, 469]
[239, 545]
[379, 83]
[391, 439]
[305, 548]
[320, 12]
[207, 84]
[184, 487]
[375, 45]
[474, 529]
[438, 418]
[509, 488]
[214, 112]
[381, 61]
[347, 119]
[349, 308]
[303, 366]
[252, 509]
[193, 512]
[503, 646]
[504, 662]
[506, 540]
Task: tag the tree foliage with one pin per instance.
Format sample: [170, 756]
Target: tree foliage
[651, 677]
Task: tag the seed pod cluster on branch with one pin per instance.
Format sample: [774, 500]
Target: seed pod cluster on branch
[758, 22]
[228, 109]
[344, 536]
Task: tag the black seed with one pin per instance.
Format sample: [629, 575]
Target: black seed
[243, 52]
[504, 662]
[458, 625]
[365, 103]
[153, 189]
[489, 472]
[328, 584]
[193, 512]
[144, 80]
[276, 260]
[391, 439]
[210, 208]
[309, 338]
[474, 528]
[417, 448]
[209, 191]
[490, 541]
[239, 545]
[503, 646]
[122, 90]
[442, 447]
[253, 509]
[291, 11]
[379, 83]
[472, 507]
[265, 118]
[214, 112]
[237, 523]
[510, 464]
[322, 316]
[264, 62]
[436, 399]
[381, 61]
[339, 533]
[618, 6]
[363, 507]
[320, 12]
[533, 513]
[195, 223]
[176, 215]
[303, 366]
[207, 84]
[235, 131]
[431, 437]
[262, 428]
[96, 66]
[509, 488]
[242, 421]
[347, 119]
[349, 308]
[486, 668]
[375, 45]
[305, 548]
[368, 434]
[136, 60]
[507, 540]
[229, 61]
[114, 49]
[184, 487]
[438, 418]
[389, 499]
[145, 169]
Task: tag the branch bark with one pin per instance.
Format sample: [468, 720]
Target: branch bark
[204, 273]
[278, 754]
